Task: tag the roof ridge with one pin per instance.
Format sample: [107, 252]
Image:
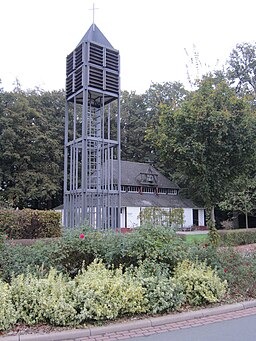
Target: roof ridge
[94, 34]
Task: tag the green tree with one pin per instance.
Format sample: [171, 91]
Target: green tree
[241, 197]
[134, 122]
[241, 68]
[208, 141]
[138, 112]
[170, 94]
[31, 144]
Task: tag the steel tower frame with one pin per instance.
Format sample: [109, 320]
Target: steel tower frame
[92, 164]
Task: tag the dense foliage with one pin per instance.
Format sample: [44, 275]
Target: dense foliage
[29, 224]
[151, 270]
[201, 284]
[211, 138]
[237, 237]
[31, 144]
[43, 287]
[70, 253]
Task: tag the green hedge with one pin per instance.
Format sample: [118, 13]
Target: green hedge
[29, 224]
[237, 237]
[70, 252]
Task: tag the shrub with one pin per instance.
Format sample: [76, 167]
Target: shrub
[3, 237]
[237, 237]
[30, 224]
[158, 243]
[8, 315]
[161, 292]
[203, 252]
[67, 254]
[200, 283]
[95, 294]
[46, 300]
[73, 252]
[15, 260]
[239, 271]
[70, 252]
[106, 293]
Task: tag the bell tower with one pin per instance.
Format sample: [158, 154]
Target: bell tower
[92, 170]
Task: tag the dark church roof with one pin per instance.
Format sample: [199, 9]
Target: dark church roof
[153, 200]
[96, 36]
[132, 175]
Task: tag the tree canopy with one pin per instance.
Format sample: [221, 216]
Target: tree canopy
[241, 68]
[31, 143]
[208, 140]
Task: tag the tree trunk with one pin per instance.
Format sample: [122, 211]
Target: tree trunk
[210, 217]
[246, 220]
[213, 216]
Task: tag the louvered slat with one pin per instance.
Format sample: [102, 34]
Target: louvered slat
[69, 63]
[78, 79]
[112, 82]
[69, 85]
[96, 78]
[96, 54]
[112, 60]
[78, 56]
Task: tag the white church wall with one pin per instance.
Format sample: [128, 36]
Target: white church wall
[122, 218]
[201, 221]
[134, 212]
[133, 217]
[188, 217]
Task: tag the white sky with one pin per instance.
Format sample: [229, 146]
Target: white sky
[36, 36]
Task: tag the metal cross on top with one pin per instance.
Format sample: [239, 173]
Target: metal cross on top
[93, 9]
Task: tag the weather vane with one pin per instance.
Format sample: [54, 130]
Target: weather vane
[93, 9]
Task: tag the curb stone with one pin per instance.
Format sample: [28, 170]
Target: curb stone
[127, 326]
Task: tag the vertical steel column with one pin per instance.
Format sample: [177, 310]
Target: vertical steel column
[119, 165]
[66, 197]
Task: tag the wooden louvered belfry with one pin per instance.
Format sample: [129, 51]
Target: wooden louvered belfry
[92, 134]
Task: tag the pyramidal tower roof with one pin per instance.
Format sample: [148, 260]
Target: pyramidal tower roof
[95, 35]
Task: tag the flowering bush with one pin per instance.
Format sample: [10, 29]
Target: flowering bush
[158, 243]
[201, 284]
[240, 273]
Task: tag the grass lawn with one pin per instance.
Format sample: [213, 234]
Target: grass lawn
[190, 238]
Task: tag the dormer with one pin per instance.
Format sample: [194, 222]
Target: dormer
[148, 178]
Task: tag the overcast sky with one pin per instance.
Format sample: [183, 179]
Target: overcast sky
[36, 36]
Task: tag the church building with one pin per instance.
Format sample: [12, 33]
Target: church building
[143, 186]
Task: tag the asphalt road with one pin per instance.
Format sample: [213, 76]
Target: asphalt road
[240, 329]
